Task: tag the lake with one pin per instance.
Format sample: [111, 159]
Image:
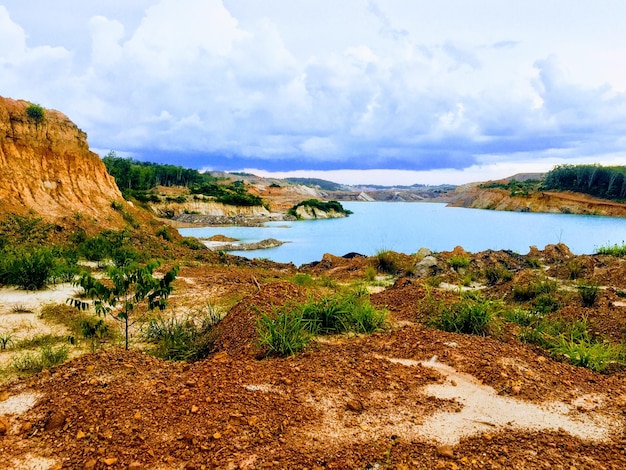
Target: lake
[406, 227]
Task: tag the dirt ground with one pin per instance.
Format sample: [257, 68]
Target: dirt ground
[407, 397]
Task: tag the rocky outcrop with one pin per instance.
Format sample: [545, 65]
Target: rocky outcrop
[208, 208]
[312, 213]
[47, 167]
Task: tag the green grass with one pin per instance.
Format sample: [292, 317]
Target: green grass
[47, 357]
[190, 338]
[530, 290]
[496, 273]
[613, 250]
[291, 327]
[470, 315]
[583, 352]
[459, 261]
[588, 293]
[386, 261]
[284, 335]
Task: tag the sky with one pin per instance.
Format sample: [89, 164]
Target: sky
[354, 91]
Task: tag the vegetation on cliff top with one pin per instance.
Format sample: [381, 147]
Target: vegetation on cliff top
[328, 206]
[595, 180]
[138, 179]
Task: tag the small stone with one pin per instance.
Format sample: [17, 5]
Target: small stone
[354, 405]
[55, 421]
[516, 389]
[453, 383]
[135, 466]
[4, 396]
[110, 461]
[445, 450]
[4, 426]
[137, 415]
[90, 368]
[80, 435]
[194, 409]
[253, 420]
[90, 464]
[217, 435]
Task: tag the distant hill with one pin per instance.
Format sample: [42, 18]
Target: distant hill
[318, 183]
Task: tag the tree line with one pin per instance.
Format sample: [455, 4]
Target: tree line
[607, 182]
[142, 176]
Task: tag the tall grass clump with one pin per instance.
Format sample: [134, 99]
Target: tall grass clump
[497, 273]
[385, 261]
[584, 352]
[284, 335]
[588, 293]
[291, 328]
[458, 262]
[470, 315]
[613, 250]
[47, 357]
[189, 338]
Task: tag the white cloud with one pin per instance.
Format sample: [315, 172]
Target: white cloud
[320, 84]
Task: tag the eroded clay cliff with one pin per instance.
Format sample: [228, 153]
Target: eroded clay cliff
[46, 167]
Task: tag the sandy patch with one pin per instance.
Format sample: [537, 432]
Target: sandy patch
[11, 298]
[19, 404]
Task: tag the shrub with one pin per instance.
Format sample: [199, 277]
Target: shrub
[574, 269]
[530, 290]
[545, 303]
[36, 113]
[386, 262]
[533, 263]
[27, 268]
[5, 340]
[303, 279]
[164, 233]
[613, 250]
[193, 243]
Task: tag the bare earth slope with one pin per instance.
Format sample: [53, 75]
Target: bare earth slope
[471, 195]
[48, 167]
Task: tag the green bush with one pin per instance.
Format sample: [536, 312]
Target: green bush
[164, 233]
[386, 261]
[314, 204]
[29, 269]
[530, 290]
[36, 113]
[613, 250]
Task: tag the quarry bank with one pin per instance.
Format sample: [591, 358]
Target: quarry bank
[444, 357]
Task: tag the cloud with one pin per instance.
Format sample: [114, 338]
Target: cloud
[229, 84]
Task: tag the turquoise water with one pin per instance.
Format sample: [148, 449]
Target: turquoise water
[405, 227]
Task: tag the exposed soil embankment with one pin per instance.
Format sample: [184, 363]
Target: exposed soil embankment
[472, 196]
[47, 167]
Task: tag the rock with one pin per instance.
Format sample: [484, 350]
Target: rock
[110, 461]
[135, 466]
[422, 253]
[55, 421]
[354, 405]
[80, 435]
[427, 267]
[4, 396]
[90, 464]
[445, 450]
[194, 409]
[4, 426]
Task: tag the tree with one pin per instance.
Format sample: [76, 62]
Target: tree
[128, 287]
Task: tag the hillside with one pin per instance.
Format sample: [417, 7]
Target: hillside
[47, 167]
[473, 196]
